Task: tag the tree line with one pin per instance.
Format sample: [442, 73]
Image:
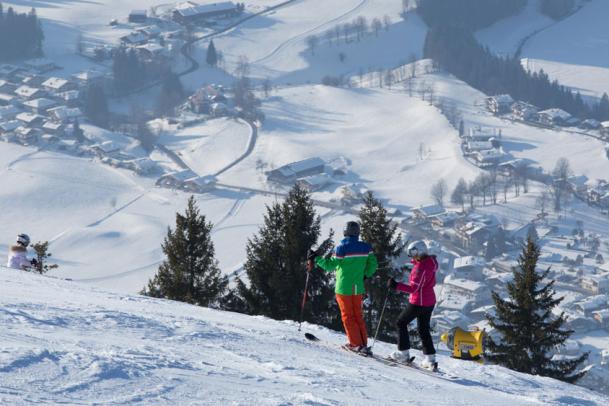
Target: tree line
[456, 50]
[275, 271]
[21, 35]
[470, 14]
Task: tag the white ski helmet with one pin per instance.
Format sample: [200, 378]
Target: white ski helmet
[416, 249]
[23, 239]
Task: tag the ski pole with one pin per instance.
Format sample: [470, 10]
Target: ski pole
[304, 294]
[378, 326]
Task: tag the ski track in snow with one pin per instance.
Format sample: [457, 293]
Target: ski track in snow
[304, 34]
[64, 342]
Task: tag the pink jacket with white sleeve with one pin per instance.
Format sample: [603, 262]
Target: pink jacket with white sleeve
[422, 281]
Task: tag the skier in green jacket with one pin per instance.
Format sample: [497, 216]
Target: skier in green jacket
[353, 260]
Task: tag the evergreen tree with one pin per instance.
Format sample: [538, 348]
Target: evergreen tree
[212, 56]
[21, 35]
[96, 106]
[42, 256]
[276, 265]
[171, 95]
[529, 331]
[378, 230]
[190, 271]
[459, 194]
[78, 133]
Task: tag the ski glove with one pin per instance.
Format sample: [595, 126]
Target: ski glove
[311, 255]
[391, 284]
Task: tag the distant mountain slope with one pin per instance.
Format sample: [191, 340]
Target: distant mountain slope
[62, 342]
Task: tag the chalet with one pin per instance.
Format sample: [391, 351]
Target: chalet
[473, 234]
[30, 119]
[134, 38]
[482, 134]
[9, 126]
[473, 146]
[590, 124]
[467, 287]
[512, 166]
[9, 112]
[71, 98]
[67, 145]
[105, 148]
[64, 114]
[29, 93]
[151, 31]
[53, 128]
[289, 173]
[40, 106]
[469, 267]
[596, 284]
[488, 157]
[519, 235]
[58, 85]
[499, 104]
[443, 220]
[553, 117]
[200, 184]
[138, 16]
[427, 213]
[49, 138]
[175, 179]
[448, 319]
[88, 78]
[151, 50]
[27, 135]
[524, 111]
[191, 12]
[315, 182]
[141, 166]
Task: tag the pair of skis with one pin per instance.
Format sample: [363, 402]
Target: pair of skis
[391, 362]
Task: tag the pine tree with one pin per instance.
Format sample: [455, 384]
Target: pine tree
[276, 265]
[212, 56]
[42, 256]
[96, 106]
[529, 331]
[190, 271]
[458, 195]
[77, 132]
[378, 230]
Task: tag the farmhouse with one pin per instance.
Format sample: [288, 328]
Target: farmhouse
[176, 179]
[596, 284]
[58, 85]
[200, 184]
[64, 114]
[29, 93]
[524, 111]
[30, 119]
[291, 172]
[499, 104]
[468, 267]
[554, 117]
[190, 12]
[488, 157]
[482, 134]
[40, 106]
[428, 212]
[315, 182]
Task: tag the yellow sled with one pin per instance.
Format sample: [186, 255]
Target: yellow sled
[467, 345]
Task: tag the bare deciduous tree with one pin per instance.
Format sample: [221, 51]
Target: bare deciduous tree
[560, 182]
[312, 41]
[386, 22]
[376, 26]
[242, 69]
[439, 191]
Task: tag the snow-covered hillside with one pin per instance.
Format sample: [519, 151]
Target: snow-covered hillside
[63, 342]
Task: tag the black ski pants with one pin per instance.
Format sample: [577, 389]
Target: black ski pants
[423, 316]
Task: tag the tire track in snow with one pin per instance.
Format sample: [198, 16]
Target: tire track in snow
[303, 35]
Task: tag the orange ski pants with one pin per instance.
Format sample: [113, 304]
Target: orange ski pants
[353, 319]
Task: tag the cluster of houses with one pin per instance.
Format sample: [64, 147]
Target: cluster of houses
[190, 12]
[483, 147]
[187, 181]
[312, 174]
[505, 104]
[210, 100]
[152, 42]
[36, 108]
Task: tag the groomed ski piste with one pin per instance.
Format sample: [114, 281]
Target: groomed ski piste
[63, 342]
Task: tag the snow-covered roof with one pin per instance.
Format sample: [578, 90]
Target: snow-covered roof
[51, 125]
[202, 180]
[28, 117]
[7, 98]
[503, 99]
[9, 111]
[430, 210]
[64, 113]
[26, 91]
[463, 262]
[294, 168]
[135, 38]
[489, 154]
[479, 145]
[593, 302]
[9, 125]
[180, 176]
[41, 103]
[152, 47]
[556, 114]
[88, 75]
[465, 284]
[70, 95]
[150, 30]
[138, 13]
[55, 83]
[191, 9]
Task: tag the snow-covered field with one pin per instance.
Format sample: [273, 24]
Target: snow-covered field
[63, 342]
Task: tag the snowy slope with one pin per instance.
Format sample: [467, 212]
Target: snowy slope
[276, 47]
[63, 342]
[379, 131]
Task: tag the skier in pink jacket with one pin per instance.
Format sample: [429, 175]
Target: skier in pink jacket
[421, 304]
